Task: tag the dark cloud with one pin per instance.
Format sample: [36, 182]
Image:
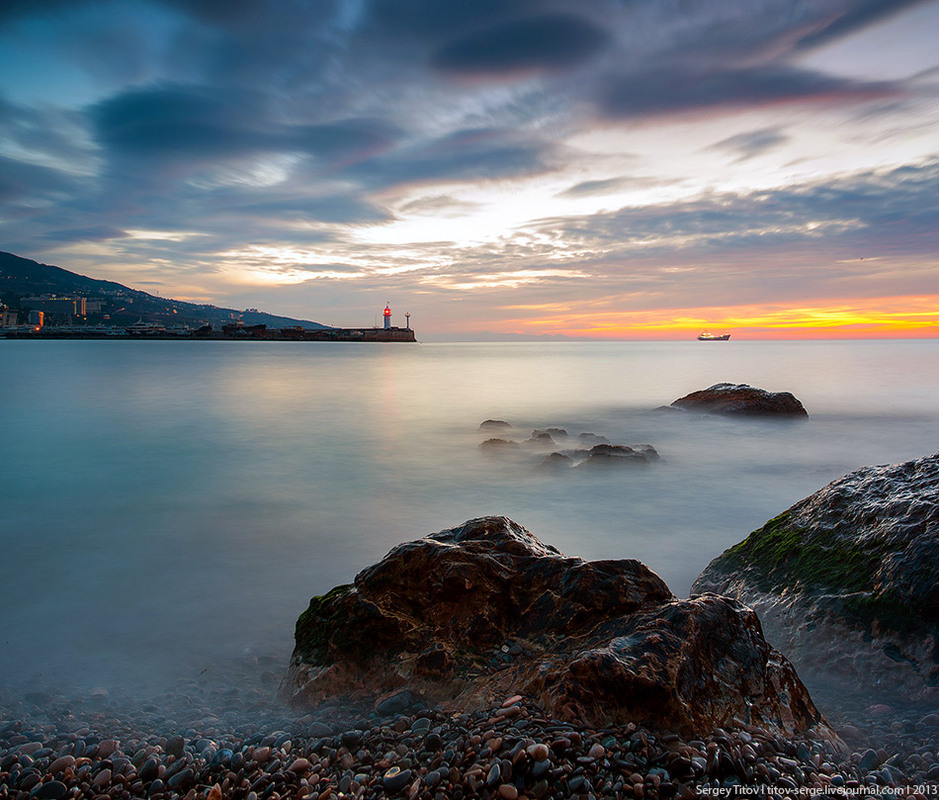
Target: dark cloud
[340, 209]
[26, 184]
[858, 15]
[470, 154]
[181, 121]
[751, 144]
[671, 92]
[433, 20]
[346, 139]
[96, 233]
[13, 9]
[218, 11]
[202, 126]
[537, 43]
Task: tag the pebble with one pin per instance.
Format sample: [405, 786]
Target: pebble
[508, 792]
[53, 790]
[396, 779]
[203, 743]
[106, 748]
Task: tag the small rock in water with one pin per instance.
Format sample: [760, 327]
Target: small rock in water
[493, 425]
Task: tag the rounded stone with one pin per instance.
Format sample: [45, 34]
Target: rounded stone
[150, 770]
[175, 746]
[53, 790]
[395, 779]
[61, 763]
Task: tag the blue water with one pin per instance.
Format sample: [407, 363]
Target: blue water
[170, 505]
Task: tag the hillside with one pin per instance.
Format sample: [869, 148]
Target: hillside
[120, 305]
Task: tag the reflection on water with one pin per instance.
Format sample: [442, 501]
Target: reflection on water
[167, 505]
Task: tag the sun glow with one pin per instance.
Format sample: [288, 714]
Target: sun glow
[892, 317]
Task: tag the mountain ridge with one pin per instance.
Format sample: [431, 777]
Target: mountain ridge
[22, 278]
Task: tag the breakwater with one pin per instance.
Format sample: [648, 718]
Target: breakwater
[256, 333]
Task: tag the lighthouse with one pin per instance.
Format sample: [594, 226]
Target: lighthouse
[387, 314]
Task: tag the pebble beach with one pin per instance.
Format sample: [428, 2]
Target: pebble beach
[224, 734]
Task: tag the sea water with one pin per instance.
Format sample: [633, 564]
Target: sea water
[170, 505]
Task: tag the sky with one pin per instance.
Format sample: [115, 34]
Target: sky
[634, 169]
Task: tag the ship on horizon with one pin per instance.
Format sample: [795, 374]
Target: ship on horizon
[713, 337]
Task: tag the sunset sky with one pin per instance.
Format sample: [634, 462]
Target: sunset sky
[603, 168]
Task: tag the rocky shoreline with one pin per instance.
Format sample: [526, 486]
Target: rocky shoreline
[228, 737]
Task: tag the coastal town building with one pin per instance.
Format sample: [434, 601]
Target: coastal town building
[57, 304]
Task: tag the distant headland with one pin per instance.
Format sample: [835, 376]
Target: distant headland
[40, 301]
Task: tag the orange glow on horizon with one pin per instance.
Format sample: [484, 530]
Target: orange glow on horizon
[894, 317]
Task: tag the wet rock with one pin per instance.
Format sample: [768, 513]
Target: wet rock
[846, 582]
[741, 400]
[498, 445]
[685, 665]
[555, 433]
[605, 641]
[556, 462]
[540, 440]
[606, 456]
[494, 425]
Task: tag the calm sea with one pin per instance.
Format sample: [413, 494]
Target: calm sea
[170, 505]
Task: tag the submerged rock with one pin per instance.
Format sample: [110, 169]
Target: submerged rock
[847, 580]
[498, 445]
[603, 641]
[741, 400]
[607, 456]
[555, 462]
[494, 425]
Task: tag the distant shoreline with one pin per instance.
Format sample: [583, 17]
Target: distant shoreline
[240, 335]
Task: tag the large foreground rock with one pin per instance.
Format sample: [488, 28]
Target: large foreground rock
[486, 609]
[846, 581]
[741, 400]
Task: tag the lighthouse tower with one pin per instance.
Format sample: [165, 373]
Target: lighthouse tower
[387, 314]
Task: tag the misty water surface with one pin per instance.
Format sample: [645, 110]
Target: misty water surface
[168, 505]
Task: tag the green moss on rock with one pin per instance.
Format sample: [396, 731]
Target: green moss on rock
[324, 617]
[782, 555]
